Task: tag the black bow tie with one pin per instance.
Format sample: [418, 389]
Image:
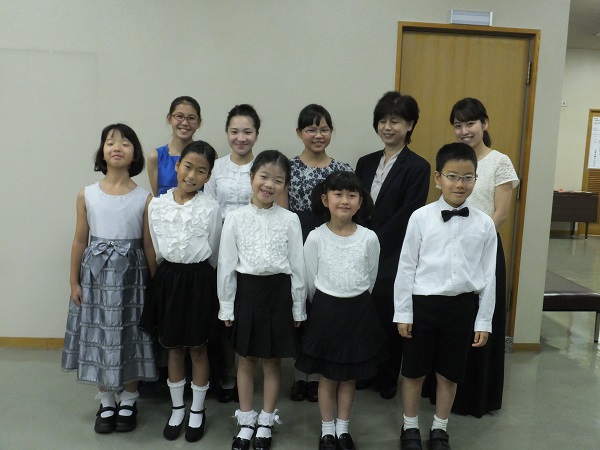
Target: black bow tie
[447, 214]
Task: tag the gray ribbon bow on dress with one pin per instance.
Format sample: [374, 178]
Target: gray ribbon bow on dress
[107, 250]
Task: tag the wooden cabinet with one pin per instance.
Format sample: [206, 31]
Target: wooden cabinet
[575, 207]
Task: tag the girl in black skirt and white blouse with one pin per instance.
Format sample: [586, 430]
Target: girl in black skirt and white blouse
[344, 340]
[261, 289]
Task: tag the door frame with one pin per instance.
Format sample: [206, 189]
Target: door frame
[534, 37]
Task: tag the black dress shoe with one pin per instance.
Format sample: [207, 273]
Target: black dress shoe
[439, 440]
[172, 432]
[388, 392]
[193, 434]
[361, 385]
[124, 424]
[345, 442]
[410, 439]
[263, 443]
[312, 393]
[228, 395]
[328, 442]
[241, 443]
[298, 390]
[105, 425]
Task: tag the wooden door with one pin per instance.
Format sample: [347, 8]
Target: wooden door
[441, 64]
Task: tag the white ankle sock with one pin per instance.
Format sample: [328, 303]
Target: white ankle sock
[246, 418]
[266, 419]
[128, 399]
[328, 428]
[341, 426]
[107, 399]
[176, 389]
[410, 422]
[199, 394]
[440, 424]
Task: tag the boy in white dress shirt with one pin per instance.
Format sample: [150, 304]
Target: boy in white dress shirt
[444, 290]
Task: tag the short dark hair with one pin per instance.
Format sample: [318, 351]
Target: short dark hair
[137, 165]
[312, 115]
[244, 110]
[189, 100]
[201, 148]
[471, 109]
[272, 157]
[338, 181]
[394, 104]
[456, 151]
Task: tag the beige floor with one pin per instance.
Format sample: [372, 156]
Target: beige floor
[551, 399]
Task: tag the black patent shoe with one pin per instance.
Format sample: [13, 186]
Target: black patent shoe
[312, 393]
[241, 443]
[388, 392]
[263, 443]
[172, 432]
[124, 424]
[228, 395]
[328, 442]
[410, 439]
[193, 434]
[439, 440]
[345, 442]
[299, 390]
[104, 425]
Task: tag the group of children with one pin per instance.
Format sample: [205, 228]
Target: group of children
[248, 239]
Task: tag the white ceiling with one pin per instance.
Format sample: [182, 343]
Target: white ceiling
[584, 23]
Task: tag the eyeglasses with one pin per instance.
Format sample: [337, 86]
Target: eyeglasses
[454, 178]
[192, 120]
[315, 131]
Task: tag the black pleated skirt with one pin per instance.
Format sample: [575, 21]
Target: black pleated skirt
[182, 304]
[344, 340]
[264, 324]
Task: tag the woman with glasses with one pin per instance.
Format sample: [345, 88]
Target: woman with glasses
[184, 118]
[309, 168]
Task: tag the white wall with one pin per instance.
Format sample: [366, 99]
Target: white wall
[581, 91]
[71, 67]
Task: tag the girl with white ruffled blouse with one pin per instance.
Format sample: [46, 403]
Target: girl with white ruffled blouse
[185, 226]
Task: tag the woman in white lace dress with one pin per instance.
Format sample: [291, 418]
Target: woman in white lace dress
[482, 390]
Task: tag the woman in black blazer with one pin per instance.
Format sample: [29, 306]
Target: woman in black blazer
[398, 180]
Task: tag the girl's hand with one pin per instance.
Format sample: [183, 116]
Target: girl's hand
[228, 323]
[481, 338]
[76, 294]
[297, 324]
[405, 330]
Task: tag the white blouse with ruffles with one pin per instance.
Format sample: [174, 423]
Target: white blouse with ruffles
[493, 170]
[259, 241]
[187, 233]
[229, 184]
[341, 266]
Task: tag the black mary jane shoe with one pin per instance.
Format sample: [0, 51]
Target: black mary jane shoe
[299, 390]
[312, 392]
[172, 432]
[263, 443]
[439, 440]
[345, 442]
[228, 395]
[124, 424]
[241, 443]
[195, 434]
[410, 439]
[328, 442]
[104, 425]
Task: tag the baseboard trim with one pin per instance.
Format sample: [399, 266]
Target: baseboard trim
[524, 347]
[39, 343]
